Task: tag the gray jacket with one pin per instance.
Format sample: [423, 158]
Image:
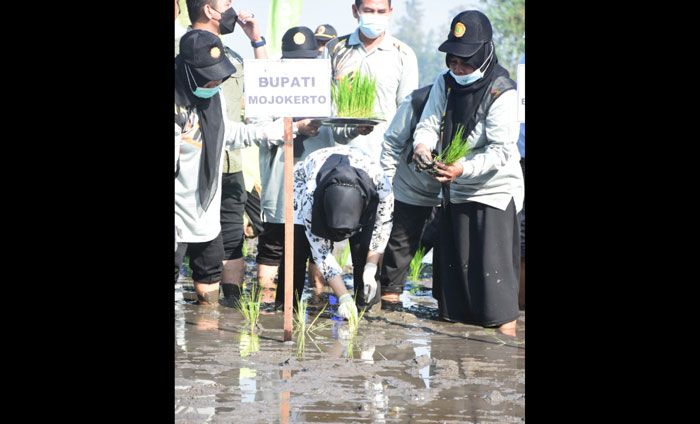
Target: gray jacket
[492, 173]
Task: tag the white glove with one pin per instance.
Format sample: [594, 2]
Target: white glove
[370, 282]
[347, 307]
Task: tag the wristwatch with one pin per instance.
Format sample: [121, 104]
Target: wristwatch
[260, 43]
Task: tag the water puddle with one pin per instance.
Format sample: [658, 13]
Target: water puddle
[403, 366]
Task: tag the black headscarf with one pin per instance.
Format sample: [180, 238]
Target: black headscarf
[345, 200]
[211, 125]
[463, 100]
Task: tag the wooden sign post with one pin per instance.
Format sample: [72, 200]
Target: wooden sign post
[288, 87]
[288, 228]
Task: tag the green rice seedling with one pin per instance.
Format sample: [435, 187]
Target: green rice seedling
[353, 327]
[458, 148]
[354, 321]
[249, 306]
[416, 265]
[343, 256]
[353, 96]
[299, 325]
[314, 326]
[302, 329]
[250, 343]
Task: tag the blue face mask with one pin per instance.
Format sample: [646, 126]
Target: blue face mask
[201, 92]
[474, 76]
[205, 93]
[372, 25]
[467, 79]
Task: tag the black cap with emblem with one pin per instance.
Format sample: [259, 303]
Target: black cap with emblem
[469, 31]
[299, 42]
[203, 52]
[325, 32]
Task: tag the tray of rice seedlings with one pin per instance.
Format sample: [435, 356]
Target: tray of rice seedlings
[249, 306]
[353, 97]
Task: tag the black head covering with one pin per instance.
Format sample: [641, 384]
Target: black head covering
[202, 59]
[345, 200]
[473, 36]
[469, 31]
[299, 42]
[325, 32]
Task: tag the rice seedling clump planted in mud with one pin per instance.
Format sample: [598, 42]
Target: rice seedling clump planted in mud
[302, 329]
[249, 306]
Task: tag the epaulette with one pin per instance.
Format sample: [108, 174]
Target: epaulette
[401, 46]
[336, 43]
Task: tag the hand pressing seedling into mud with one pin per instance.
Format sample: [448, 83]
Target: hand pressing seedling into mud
[347, 308]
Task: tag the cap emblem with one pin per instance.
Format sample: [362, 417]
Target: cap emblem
[460, 29]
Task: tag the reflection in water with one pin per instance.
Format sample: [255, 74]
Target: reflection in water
[379, 401]
[247, 384]
[285, 410]
[344, 345]
[180, 339]
[249, 343]
[423, 348]
[405, 299]
[378, 398]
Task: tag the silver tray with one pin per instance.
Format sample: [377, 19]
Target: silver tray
[351, 122]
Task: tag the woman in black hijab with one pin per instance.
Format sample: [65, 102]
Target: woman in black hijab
[477, 269]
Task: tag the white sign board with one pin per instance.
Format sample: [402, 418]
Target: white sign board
[521, 92]
[287, 87]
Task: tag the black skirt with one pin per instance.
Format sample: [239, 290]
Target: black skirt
[477, 275]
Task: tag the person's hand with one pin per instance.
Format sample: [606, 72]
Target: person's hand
[347, 307]
[364, 129]
[422, 157]
[448, 173]
[370, 283]
[249, 24]
[308, 127]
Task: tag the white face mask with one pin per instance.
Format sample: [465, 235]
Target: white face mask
[474, 76]
[373, 25]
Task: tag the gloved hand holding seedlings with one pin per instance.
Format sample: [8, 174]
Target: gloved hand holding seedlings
[422, 157]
